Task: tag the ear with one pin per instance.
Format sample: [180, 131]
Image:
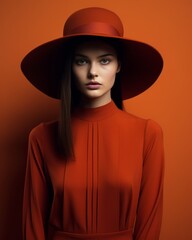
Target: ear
[119, 67]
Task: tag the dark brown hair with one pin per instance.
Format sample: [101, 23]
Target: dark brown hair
[69, 96]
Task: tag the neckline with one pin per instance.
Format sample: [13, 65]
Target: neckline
[96, 114]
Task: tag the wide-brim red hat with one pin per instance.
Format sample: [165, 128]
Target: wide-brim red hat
[140, 67]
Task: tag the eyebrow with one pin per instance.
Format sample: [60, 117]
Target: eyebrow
[103, 55]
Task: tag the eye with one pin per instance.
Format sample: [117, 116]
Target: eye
[105, 61]
[80, 61]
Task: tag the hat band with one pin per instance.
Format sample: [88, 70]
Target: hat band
[95, 28]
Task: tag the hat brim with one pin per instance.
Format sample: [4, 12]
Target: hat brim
[141, 64]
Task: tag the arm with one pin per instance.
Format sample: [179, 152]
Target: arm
[36, 197]
[150, 205]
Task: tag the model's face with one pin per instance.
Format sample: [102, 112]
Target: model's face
[95, 66]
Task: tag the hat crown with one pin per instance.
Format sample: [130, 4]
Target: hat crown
[94, 21]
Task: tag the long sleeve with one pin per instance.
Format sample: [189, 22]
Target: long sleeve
[36, 199]
[149, 211]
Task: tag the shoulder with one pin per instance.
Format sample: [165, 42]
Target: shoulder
[153, 129]
[43, 130]
[147, 128]
[43, 139]
[149, 124]
[130, 120]
[153, 140]
[129, 116]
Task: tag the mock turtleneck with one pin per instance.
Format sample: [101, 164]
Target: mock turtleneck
[96, 114]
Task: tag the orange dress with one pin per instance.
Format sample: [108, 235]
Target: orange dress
[113, 189]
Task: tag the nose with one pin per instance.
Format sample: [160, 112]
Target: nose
[92, 72]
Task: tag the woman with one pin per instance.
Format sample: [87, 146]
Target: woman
[98, 172]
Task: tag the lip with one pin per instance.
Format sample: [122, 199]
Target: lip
[93, 85]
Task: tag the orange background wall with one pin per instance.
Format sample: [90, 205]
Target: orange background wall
[167, 25]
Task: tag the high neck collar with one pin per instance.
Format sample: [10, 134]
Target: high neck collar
[96, 114]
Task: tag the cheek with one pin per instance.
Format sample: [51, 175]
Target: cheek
[78, 74]
[110, 75]
[112, 81]
[75, 72]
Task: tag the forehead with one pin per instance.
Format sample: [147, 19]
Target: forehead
[95, 46]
